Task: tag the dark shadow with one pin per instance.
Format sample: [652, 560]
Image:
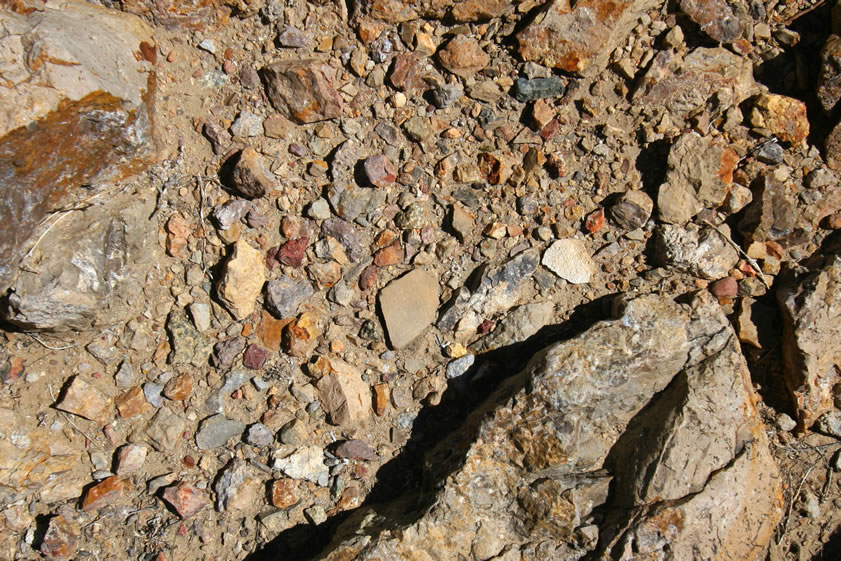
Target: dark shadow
[440, 436]
[652, 163]
[226, 173]
[831, 550]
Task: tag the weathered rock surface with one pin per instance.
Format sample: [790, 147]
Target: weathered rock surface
[699, 251]
[93, 113]
[302, 90]
[785, 117]
[344, 395]
[242, 280]
[770, 215]
[810, 307]
[409, 305]
[395, 11]
[829, 78]
[715, 17]
[523, 474]
[88, 269]
[570, 260]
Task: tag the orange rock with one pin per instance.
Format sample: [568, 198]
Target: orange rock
[284, 493]
[82, 399]
[380, 398]
[390, 255]
[105, 493]
[299, 337]
[270, 331]
[178, 230]
[179, 388]
[132, 402]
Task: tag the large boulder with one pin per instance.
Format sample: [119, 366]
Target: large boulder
[70, 116]
[649, 418]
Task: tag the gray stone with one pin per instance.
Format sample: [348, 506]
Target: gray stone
[228, 213]
[200, 312]
[152, 393]
[165, 430]
[225, 352]
[292, 37]
[188, 345]
[417, 128]
[216, 430]
[247, 125]
[570, 260]
[409, 305]
[235, 486]
[285, 295]
[295, 433]
[305, 463]
[459, 366]
[302, 90]
[445, 95]
[259, 435]
[351, 201]
[518, 325]
[319, 209]
[715, 18]
[537, 88]
[125, 376]
[345, 233]
[695, 250]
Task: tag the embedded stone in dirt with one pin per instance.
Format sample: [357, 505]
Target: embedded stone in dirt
[242, 280]
[216, 430]
[302, 90]
[379, 170]
[83, 399]
[570, 260]
[306, 463]
[107, 492]
[345, 396]
[61, 539]
[463, 56]
[715, 18]
[409, 305]
[699, 251]
[785, 117]
[250, 177]
[186, 499]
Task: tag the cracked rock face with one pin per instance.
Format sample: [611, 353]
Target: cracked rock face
[637, 439]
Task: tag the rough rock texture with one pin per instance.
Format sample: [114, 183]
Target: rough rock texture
[184, 14]
[811, 353]
[302, 90]
[88, 269]
[783, 116]
[829, 79]
[242, 280]
[69, 116]
[345, 396]
[699, 251]
[409, 305]
[395, 11]
[715, 17]
[578, 37]
[528, 467]
[770, 215]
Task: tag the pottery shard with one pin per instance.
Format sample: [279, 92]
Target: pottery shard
[564, 437]
[409, 305]
[579, 37]
[811, 341]
[344, 395]
[242, 280]
[302, 90]
[69, 115]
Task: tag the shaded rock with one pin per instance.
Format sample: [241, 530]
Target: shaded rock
[810, 306]
[408, 306]
[250, 177]
[242, 280]
[345, 233]
[698, 251]
[518, 325]
[463, 56]
[259, 435]
[577, 37]
[770, 216]
[88, 269]
[302, 90]
[726, 287]
[306, 463]
[445, 95]
[832, 147]
[784, 116]
[344, 395]
[570, 260]
[70, 117]
[186, 499]
[458, 367]
[220, 139]
[632, 210]
[829, 77]
[543, 451]
[61, 539]
[216, 430]
[188, 345]
[537, 88]
[285, 295]
[130, 458]
[715, 18]
[699, 177]
[83, 399]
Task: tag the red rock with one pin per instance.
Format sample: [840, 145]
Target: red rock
[178, 230]
[463, 56]
[284, 493]
[107, 492]
[355, 450]
[292, 252]
[726, 287]
[550, 129]
[594, 221]
[14, 371]
[250, 177]
[368, 278]
[389, 255]
[61, 539]
[404, 72]
[186, 499]
[302, 90]
[179, 388]
[255, 357]
[132, 402]
[380, 171]
[184, 14]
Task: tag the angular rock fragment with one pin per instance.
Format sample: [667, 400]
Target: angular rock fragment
[463, 56]
[186, 499]
[236, 488]
[810, 307]
[306, 463]
[715, 18]
[284, 493]
[165, 430]
[379, 170]
[537, 88]
[61, 539]
[444, 96]
[216, 430]
[832, 147]
[302, 90]
[355, 450]
[249, 176]
[698, 251]
[131, 403]
[785, 117]
[770, 216]
[107, 492]
[829, 77]
[84, 400]
[300, 336]
[188, 345]
[242, 280]
[570, 260]
[408, 306]
[344, 395]
[632, 210]
[531, 464]
[285, 295]
[130, 458]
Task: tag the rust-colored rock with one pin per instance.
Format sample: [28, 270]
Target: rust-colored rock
[186, 499]
[389, 255]
[396, 11]
[284, 493]
[302, 90]
[381, 395]
[715, 18]
[270, 331]
[249, 175]
[463, 56]
[82, 399]
[179, 387]
[107, 492]
[178, 231]
[132, 402]
[61, 539]
[300, 336]
[180, 14]
[68, 117]
[784, 116]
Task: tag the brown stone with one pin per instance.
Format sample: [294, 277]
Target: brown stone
[389, 255]
[186, 499]
[292, 252]
[715, 18]
[284, 493]
[302, 90]
[379, 170]
[69, 118]
[179, 387]
[368, 278]
[301, 335]
[277, 126]
[344, 395]
[829, 79]
[784, 116]
[249, 176]
[832, 146]
[132, 402]
[270, 331]
[82, 399]
[183, 14]
[404, 73]
[463, 56]
[381, 395]
[726, 287]
[771, 214]
[355, 450]
[177, 232]
[395, 11]
[107, 492]
[61, 539]
[491, 168]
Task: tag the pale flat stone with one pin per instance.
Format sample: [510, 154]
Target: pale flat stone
[570, 260]
[242, 280]
[409, 305]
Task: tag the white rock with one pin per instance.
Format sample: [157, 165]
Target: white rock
[570, 260]
[306, 463]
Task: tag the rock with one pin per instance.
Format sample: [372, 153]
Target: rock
[445, 95]
[302, 90]
[699, 177]
[725, 288]
[810, 306]
[125, 376]
[379, 171]
[408, 306]
[306, 463]
[70, 118]
[770, 216]
[227, 351]
[188, 345]
[535, 481]
[216, 430]
[715, 18]
[319, 209]
[417, 128]
[351, 202]
[578, 37]
[236, 488]
[518, 325]
[487, 91]
[785, 117]
[395, 11]
[259, 435]
[285, 295]
[61, 539]
[292, 37]
[108, 492]
[632, 210]
[390, 255]
[458, 367]
[249, 176]
[284, 493]
[186, 499]
[233, 211]
[83, 399]
[295, 433]
[829, 77]
[255, 357]
[344, 395]
[131, 403]
[242, 280]
[220, 139]
[88, 268]
[785, 423]
[200, 312]
[698, 251]
[247, 125]
[179, 387]
[153, 393]
[177, 14]
[462, 222]
[463, 56]
[130, 458]
[537, 88]
[683, 84]
[344, 232]
[404, 73]
[830, 423]
[570, 260]
[355, 450]
[300, 336]
[832, 147]
[292, 253]
[165, 430]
